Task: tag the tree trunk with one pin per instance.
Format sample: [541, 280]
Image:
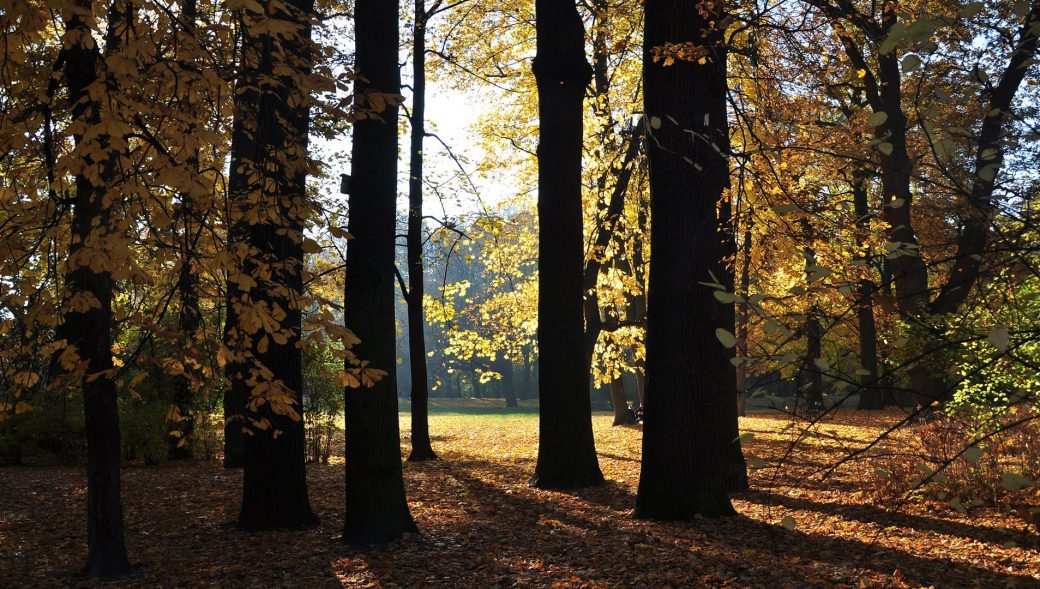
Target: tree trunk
[421, 447]
[725, 271]
[566, 448]
[743, 317]
[376, 508]
[508, 389]
[623, 414]
[870, 396]
[187, 281]
[89, 331]
[813, 376]
[687, 452]
[274, 490]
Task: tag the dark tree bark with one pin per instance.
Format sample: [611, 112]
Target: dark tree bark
[421, 448]
[871, 395]
[271, 194]
[623, 414]
[504, 366]
[90, 331]
[742, 317]
[190, 317]
[687, 466]
[376, 508]
[811, 377]
[566, 448]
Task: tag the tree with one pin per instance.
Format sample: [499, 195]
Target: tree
[270, 171]
[413, 294]
[566, 448]
[190, 318]
[880, 48]
[87, 327]
[376, 508]
[687, 466]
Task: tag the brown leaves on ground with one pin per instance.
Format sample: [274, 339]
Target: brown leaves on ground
[483, 526]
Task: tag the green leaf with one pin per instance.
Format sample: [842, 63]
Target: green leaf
[972, 9]
[786, 208]
[910, 63]
[1014, 482]
[724, 297]
[789, 522]
[877, 119]
[725, 337]
[972, 455]
[988, 173]
[999, 337]
[885, 148]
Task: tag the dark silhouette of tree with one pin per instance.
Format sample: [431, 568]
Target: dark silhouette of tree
[566, 448]
[376, 509]
[190, 317]
[87, 328]
[272, 169]
[688, 466]
[421, 447]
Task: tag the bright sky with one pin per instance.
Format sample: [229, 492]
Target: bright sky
[451, 115]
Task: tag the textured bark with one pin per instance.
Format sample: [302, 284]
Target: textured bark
[90, 331]
[566, 449]
[421, 448]
[687, 453]
[870, 396]
[274, 490]
[376, 508]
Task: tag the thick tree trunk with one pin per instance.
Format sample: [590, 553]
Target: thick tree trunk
[89, 331]
[274, 490]
[566, 448]
[508, 389]
[376, 508]
[421, 448]
[623, 414]
[687, 451]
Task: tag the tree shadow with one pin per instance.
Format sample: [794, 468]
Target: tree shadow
[886, 518]
[534, 537]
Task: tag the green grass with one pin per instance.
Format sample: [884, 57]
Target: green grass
[484, 407]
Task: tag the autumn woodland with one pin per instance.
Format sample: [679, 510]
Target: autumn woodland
[527, 293]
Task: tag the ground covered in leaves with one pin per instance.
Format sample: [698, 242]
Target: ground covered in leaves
[483, 526]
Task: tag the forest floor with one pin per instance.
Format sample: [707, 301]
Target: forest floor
[482, 526]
